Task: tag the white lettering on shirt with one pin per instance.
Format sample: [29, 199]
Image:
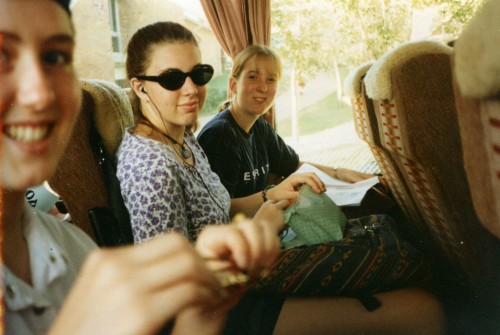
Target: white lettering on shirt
[247, 176]
[255, 173]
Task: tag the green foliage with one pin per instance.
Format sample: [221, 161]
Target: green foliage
[217, 94]
[453, 14]
[315, 36]
[324, 114]
[310, 34]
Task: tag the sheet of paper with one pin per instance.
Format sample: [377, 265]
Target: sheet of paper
[342, 193]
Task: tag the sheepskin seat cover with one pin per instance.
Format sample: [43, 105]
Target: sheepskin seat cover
[477, 90]
[412, 90]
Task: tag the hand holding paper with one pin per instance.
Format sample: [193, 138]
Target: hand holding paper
[342, 193]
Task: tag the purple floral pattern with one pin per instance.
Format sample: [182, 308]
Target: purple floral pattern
[162, 194]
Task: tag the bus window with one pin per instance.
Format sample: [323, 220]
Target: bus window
[319, 42]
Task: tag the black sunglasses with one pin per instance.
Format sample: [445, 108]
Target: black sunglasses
[173, 79]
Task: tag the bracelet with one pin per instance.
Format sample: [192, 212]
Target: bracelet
[264, 191]
[335, 173]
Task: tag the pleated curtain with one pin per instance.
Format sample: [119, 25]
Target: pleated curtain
[238, 24]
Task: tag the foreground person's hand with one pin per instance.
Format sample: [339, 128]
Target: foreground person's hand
[137, 289]
[246, 245]
[243, 250]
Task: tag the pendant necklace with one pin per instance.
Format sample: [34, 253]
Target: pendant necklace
[185, 152]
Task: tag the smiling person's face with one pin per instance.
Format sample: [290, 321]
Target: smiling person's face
[255, 89]
[39, 92]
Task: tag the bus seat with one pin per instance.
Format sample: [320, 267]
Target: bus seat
[365, 123]
[412, 90]
[86, 176]
[413, 98]
[134, 102]
[477, 93]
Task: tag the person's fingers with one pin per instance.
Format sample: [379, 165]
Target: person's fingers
[352, 176]
[281, 204]
[156, 249]
[283, 192]
[150, 273]
[131, 292]
[171, 301]
[271, 245]
[316, 184]
[271, 214]
[221, 242]
[180, 266]
[150, 313]
[310, 179]
[270, 218]
[250, 245]
[254, 235]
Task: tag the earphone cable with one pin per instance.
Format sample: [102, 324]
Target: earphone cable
[190, 167]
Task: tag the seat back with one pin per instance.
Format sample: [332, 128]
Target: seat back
[86, 175]
[134, 102]
[366, 126]
[477, 91]
[414, 104]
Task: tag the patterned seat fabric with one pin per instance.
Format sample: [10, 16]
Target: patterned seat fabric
[477, 90]
[84, 177]
[412, 93]
[365, 122]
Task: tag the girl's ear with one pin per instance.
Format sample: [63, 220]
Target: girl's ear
[138, 88]
[232, 85]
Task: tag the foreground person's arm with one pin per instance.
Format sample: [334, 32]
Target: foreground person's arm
[138, 289]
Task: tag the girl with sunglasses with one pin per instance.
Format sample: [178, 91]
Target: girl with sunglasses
[55, 280]
[167, 184]
[164, 176]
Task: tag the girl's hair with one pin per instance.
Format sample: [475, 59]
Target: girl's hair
[65, 5]
[261, 52]
[141, 43]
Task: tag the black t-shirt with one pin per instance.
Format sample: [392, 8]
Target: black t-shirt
[243, 161]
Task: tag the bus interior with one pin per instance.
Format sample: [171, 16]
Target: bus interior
[408, 90]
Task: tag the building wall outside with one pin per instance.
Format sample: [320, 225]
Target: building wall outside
[94, 55]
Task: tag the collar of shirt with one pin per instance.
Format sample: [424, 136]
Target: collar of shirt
[48, 262]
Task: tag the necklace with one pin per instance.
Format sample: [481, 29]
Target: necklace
[185, 152]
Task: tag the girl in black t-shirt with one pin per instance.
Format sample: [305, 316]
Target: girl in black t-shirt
[244, 149]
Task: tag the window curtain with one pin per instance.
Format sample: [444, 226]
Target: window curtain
[259, 21]
[228, 24]
[238, 24]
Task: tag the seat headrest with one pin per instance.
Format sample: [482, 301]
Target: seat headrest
[477, 54]
[112, 113]
[352, 83]
[378, 78]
